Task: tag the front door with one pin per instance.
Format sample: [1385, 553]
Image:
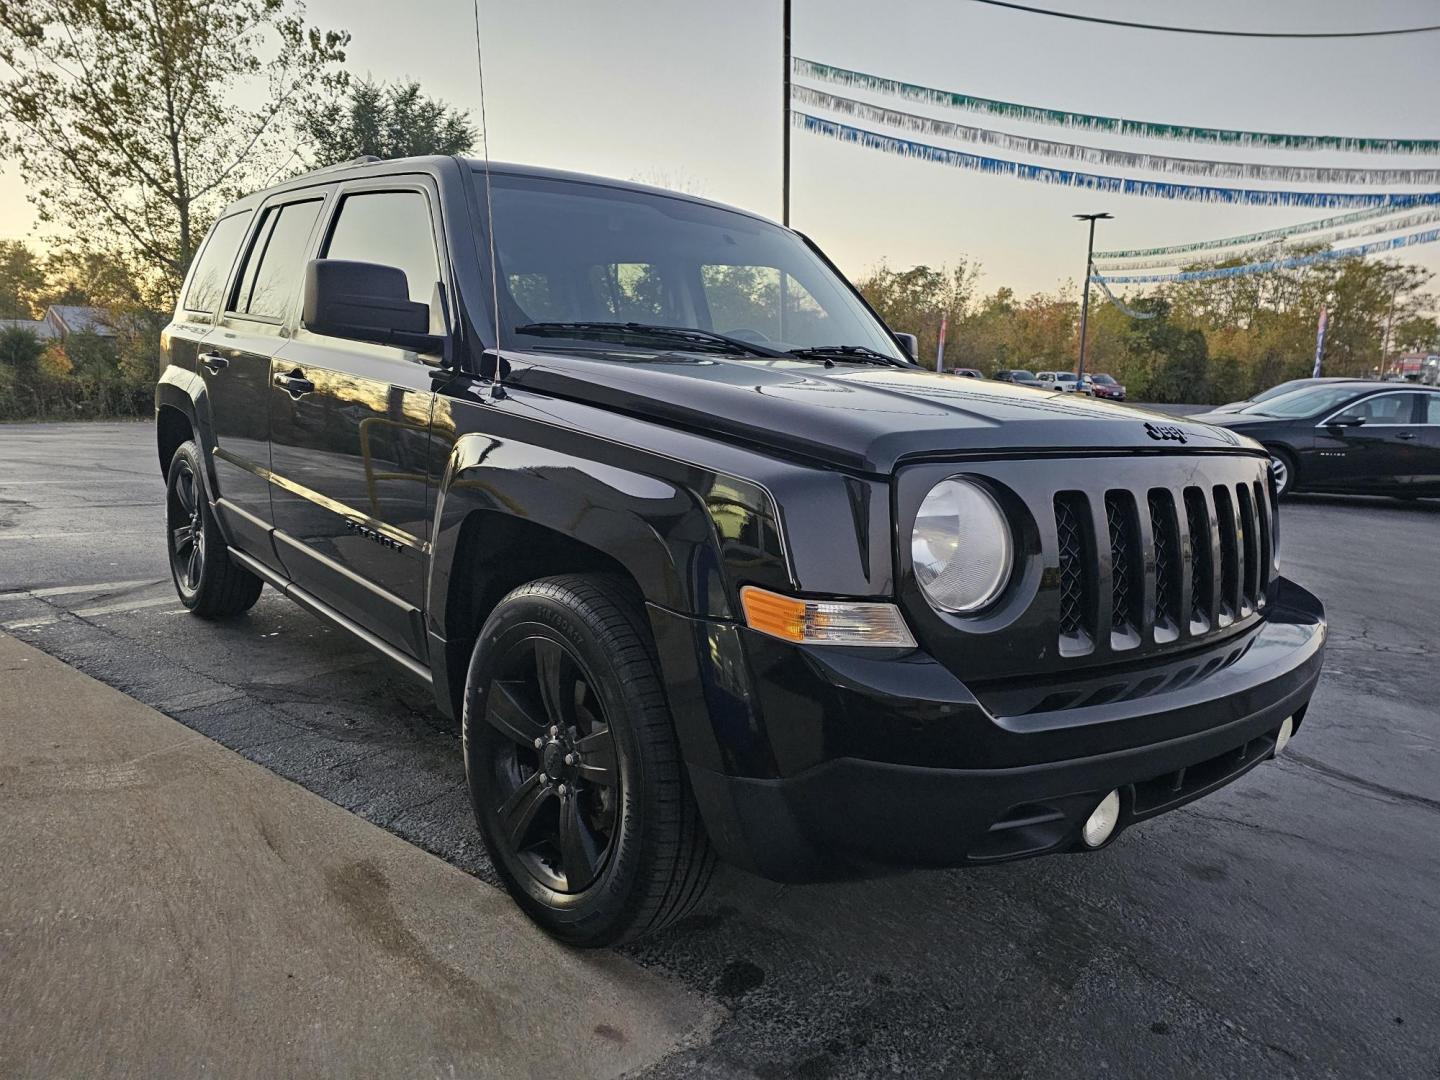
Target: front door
[1429, 440]
[350, 432]
[1379, 453]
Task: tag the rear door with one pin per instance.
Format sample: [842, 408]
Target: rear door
[1427, 428]
[236, 364]
[350, 430]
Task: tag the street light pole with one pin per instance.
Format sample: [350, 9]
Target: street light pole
[1085, 301]
[785, 121]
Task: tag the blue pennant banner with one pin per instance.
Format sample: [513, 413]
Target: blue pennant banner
[1156, 189]
[1410, 221]
[1379, 246]
[1120, 304]
[1118, 125]
[1113, 159]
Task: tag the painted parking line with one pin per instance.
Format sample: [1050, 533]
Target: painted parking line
[98, 587]
[103, 609]
[10, 596]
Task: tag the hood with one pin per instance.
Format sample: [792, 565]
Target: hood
[1236, 419]
[857, 417]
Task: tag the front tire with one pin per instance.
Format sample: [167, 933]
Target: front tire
[208, 581]
[1282, 464]
[574, 771]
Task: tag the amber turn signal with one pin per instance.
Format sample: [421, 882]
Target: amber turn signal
[825, 622]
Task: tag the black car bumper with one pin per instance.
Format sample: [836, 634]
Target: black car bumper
[815, 763]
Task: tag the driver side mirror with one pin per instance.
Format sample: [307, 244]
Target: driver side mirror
[1346, 422]
[911, 343]
[366, 302]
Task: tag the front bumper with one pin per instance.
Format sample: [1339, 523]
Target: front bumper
[817, 763]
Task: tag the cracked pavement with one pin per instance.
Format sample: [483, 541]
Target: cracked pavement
[1286, 926]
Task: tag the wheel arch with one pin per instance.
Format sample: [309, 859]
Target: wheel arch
[494, 553]
[182, 411]
[508, 512]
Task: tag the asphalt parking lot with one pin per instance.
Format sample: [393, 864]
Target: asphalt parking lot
[1286, 926]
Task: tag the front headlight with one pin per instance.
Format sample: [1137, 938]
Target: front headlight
[961, 546]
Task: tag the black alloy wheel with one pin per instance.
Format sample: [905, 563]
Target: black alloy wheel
[555, 772]
[576, 777]
[187, 530]
[209, 582]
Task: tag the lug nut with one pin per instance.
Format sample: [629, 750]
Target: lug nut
[544, 779]
[539, 743]
[561, 789]
[554, 731]
[569, 759]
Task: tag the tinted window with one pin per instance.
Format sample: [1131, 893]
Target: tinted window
[578, 252]
[1430, 409]
[275, 266]
[213, 265]
[391, 228]
[1382, 409]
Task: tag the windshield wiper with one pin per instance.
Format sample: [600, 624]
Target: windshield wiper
[704, 339]
[854, 354]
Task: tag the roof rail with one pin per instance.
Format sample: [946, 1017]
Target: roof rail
[363, 159]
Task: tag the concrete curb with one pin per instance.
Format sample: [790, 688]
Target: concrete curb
[170, 908]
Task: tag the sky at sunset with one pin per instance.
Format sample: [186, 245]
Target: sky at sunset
[688, 94]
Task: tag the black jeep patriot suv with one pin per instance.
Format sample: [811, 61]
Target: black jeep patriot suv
[705, 563]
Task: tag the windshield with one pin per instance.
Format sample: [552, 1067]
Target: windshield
[1065, 376]
[571, 252]
[1304, 402]
[1103, 380]
[1020, 373]
[1283, 388]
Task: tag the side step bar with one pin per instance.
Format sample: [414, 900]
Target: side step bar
[326, 612]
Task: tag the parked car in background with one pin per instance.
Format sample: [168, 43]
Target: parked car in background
[1106, 386]
[1347, 436]
[1278, 389]
[1062, 380]
[1018, 376]
[966, 373]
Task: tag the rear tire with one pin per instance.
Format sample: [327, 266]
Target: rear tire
[594, 832]
[210, 583]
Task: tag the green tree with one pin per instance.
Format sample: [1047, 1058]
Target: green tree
[388, 121]
[22, 278]
[134, 121]
[20, 352]
[917, 300]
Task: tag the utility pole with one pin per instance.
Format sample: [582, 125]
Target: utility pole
[1385, 341]
[1085, 301]
[785, 123]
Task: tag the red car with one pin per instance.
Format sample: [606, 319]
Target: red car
[1105, 386]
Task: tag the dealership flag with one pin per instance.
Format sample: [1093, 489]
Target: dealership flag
[1320, 341]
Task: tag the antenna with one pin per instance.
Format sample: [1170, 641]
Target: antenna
[497, 388]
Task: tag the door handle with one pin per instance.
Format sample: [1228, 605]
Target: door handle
[295, 384]
[213, 362]
[1406, 435]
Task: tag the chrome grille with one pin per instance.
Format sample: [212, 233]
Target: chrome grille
[1126, 586]
[1164, 533]
[1186, 561]
[1072, 563]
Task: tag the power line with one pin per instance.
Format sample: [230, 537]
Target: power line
[1201, 30]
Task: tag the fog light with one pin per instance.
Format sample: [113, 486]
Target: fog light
[1283, 735]
[1101, 823]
